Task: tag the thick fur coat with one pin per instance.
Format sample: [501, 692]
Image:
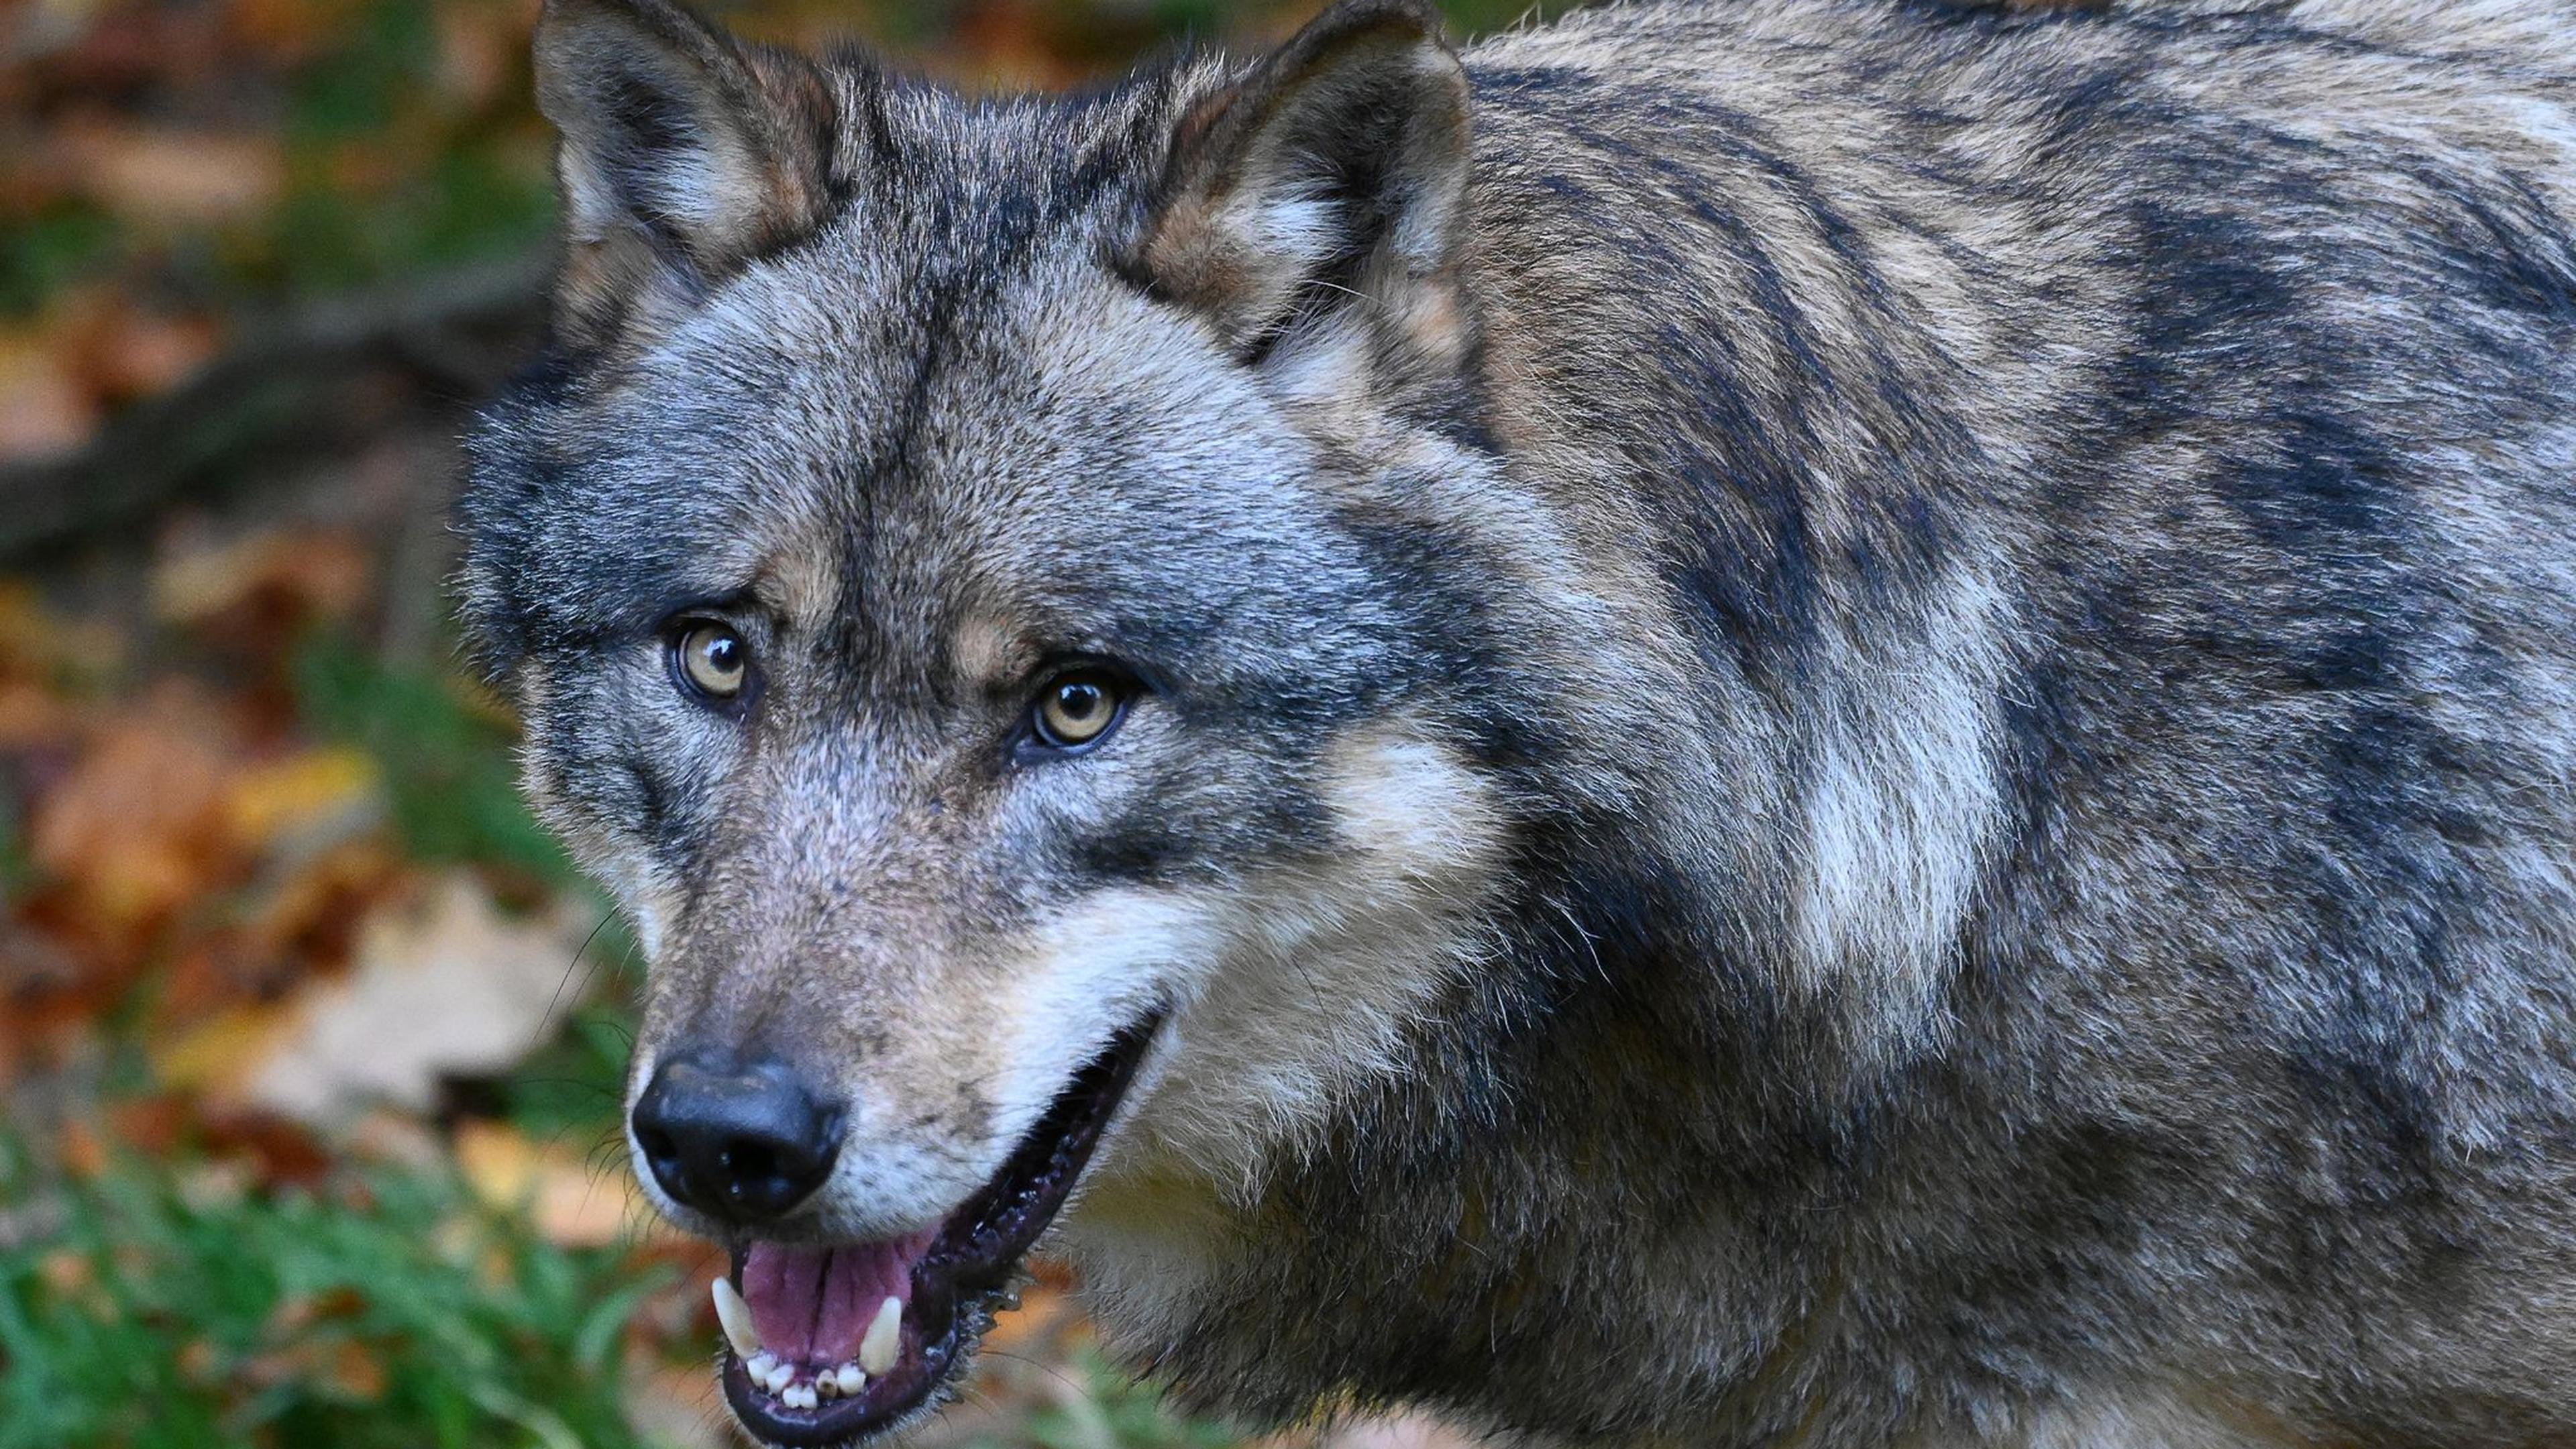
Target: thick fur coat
[1851, 721]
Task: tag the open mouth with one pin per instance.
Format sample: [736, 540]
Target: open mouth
[829, 1345]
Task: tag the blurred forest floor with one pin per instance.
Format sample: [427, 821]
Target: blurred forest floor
[312, 1040]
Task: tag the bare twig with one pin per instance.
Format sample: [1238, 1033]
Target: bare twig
[286, 381]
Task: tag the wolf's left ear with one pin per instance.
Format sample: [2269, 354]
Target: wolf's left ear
[684, 155]
[1334, 175]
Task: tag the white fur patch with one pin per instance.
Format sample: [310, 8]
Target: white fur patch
[2144, 1421]
[1303, 985]
[1903, 801]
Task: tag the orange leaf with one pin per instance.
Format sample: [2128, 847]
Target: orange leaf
[45, 409]
[572, 1203]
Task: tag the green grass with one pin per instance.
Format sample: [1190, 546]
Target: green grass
[391, 1311]
[45, 253]
[446, 766]
[14, 867]
[570, 1089]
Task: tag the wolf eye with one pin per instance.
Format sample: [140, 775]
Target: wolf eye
[713, 659]
[1076, 710]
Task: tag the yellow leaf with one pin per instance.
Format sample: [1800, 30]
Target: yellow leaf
[300, 794]
[219, 1056]
[498, 1162]
[572, 1203]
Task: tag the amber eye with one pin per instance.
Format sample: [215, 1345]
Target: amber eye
[714, 659]
[1076, 710]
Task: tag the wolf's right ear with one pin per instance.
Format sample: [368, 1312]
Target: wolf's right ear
[1333, 175]
[683, 155]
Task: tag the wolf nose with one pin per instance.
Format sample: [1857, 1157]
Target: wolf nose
[737, 1141]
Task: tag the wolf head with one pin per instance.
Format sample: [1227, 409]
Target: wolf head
[986, 586]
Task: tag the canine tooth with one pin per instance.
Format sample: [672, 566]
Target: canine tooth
[735, 1315]
[849, 1380]
[877, 1350]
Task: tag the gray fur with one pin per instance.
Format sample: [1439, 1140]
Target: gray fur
[1990, 597]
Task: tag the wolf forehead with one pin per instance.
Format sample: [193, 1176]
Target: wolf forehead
[946, 393]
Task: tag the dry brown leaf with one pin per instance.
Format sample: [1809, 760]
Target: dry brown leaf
[137, 827]
[394, 1137]
[300, 574]
[286, 32]
[479, 48]
[443, 986]
[131, 353]
[46, 410]
[174, 177]
[277, 1150]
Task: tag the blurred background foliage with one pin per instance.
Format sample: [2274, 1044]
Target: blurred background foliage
[312, 1039]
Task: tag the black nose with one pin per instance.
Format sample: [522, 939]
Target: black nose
[737, 1141]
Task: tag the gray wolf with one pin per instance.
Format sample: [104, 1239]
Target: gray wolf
[1800, 722]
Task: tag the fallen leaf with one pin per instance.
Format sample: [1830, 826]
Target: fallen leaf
[300, 574]
[330, 792]
[177, 178]
[291, 31]
[444, 986]
[388, 1136]
[280, 1150]
[152, 1126]
[572, 1202]
[131, 353]
[200, 1362]
[355, 1370]
[45, 410]
[81, 1150]
[219, 1057]
[136, 827]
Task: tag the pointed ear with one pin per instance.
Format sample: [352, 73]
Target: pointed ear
[683, 155]
[1337, 167]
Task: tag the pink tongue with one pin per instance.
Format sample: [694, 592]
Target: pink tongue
[813, 1305]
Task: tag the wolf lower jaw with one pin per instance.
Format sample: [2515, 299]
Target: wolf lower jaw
[828, 1344]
